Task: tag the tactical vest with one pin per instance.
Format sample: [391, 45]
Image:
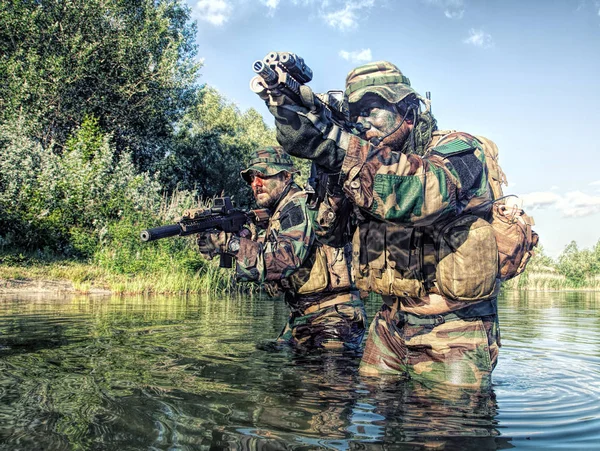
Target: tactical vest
[327, 268]
[458, 258]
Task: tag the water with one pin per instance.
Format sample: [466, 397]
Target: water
[183, 374]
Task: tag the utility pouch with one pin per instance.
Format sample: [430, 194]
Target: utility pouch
[338, 266]
[330, 270]
[318, 278]
[515, 239]
[388, 260]
[467, 257]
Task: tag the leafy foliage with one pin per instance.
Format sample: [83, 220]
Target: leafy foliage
[63, 203]
[573, 269]
[128, 63]
[213, 144]
[104, 131]
[576, 265]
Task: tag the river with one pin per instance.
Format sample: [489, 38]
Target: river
[183, 373]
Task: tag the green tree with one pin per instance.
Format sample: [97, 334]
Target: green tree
[212, 146]
[575, 264]
[128, 63]
[540, 262]
[64, 202]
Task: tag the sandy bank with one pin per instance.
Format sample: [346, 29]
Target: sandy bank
[8, 286]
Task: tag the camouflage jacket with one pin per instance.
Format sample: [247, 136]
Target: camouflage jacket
[413, 205]
[410, 189]
[291, 256]
[403, 200]
[283, 248]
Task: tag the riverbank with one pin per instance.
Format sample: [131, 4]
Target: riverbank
[84, 278]
[89, 278]
[189, 274]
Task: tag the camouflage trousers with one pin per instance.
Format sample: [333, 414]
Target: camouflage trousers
[457, 351]
[337, 326]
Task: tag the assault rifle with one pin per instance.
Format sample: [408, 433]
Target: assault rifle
[220, 216]
[279, 78]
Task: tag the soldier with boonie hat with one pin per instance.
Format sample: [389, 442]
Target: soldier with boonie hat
[419, 243]
[290, 258]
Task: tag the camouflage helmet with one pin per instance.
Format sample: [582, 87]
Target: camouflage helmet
[381, 78]
[268, 161]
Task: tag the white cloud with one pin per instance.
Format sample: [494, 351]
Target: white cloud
[578, 204]
[453, 9]
[540, 199]
[271, 4]
[595, 183]
[479, 38]
[357, 56]
[574, 204]
[216, 12]
[583, 6]
[347, 17]
[343, 15]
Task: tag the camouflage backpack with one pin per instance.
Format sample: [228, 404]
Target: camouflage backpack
[512, 227]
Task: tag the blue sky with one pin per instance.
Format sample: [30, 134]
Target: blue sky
[526, 74]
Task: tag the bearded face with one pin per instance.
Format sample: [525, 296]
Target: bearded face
[267, 189]
[380, 118]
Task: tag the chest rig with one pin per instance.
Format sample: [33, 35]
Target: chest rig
[456, 257]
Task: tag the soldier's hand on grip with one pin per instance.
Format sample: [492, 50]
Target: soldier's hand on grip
[211, 244]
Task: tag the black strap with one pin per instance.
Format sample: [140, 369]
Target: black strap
[478, 310]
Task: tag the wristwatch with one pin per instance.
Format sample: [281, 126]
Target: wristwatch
[234, 245]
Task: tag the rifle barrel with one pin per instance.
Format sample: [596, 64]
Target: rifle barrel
[160, 232]
[268, 74]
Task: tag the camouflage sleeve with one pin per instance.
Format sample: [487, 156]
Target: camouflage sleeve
[284, 250]
[412, 189]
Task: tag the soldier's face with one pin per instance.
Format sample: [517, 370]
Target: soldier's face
[268, 189]
[379, 118]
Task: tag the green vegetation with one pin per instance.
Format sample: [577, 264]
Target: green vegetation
[105, 131]
[574, 269]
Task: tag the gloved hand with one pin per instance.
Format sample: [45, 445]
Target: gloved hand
[211, 244]
[302, 134]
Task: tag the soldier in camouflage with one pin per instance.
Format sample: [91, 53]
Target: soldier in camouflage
[292, 259]
[414, 187]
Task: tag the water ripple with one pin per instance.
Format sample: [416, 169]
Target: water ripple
[183, 373]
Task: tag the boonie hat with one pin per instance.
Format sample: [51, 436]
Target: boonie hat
[268, 161]
[380, 77]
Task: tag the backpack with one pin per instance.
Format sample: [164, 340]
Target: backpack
[512, 227]
[515, 237]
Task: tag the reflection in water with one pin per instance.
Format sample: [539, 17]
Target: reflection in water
[184, 373]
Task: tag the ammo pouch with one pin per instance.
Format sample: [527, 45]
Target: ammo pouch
[333, 220]
[388, 259]
[515, 239]
[460, 259]
[330, 270]
[467, 257]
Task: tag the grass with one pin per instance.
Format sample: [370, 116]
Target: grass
[550, 281]
[87, 276]
[178, 269]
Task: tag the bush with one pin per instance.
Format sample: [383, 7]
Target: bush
[66, 202]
